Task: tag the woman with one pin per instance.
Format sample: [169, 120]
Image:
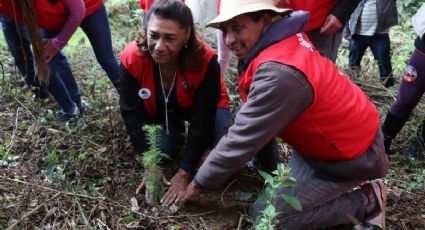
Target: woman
[58, 20]
[168, 76]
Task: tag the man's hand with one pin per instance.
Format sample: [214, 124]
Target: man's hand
[331, 25]
[177, 186]
[191, 192]
[49, 50]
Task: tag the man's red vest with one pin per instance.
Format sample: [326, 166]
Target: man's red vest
[49, 16]
[140, 66]
[319, 10]
[341, 122]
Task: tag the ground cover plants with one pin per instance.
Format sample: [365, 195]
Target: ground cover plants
[84, 175]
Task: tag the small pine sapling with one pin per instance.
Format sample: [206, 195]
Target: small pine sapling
[150, 162]
[278, 179]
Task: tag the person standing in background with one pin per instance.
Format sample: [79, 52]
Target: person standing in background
[369, 27]
[410, 92]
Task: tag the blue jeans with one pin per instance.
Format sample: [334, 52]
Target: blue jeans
[14, 34]
[62, 85]
[96, 27]
[379, 45]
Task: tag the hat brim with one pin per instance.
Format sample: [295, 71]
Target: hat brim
[226, 17]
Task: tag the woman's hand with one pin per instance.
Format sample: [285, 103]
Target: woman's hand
[177, 188]
[49, 50]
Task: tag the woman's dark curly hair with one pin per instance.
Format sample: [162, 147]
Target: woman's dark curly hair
[177, 11]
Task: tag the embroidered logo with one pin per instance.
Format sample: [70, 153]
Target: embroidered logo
[144, 93]
[410, 74]
[304, 42]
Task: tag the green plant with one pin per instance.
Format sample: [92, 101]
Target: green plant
[150, 162]
[280, 178]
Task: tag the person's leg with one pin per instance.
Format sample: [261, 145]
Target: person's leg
[96, 27]
[222, 119]
[325, 203]
[327, 45]
[410, 92]
[223, 52]
[357, 47]
[412, 86]
[59, 65]
[20, 47]
[381, 50]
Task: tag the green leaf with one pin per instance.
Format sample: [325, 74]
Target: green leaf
[129, 218]
[245, 196]
[267, 177]
[293, 201]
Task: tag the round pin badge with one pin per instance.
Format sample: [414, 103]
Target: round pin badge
[144, 93]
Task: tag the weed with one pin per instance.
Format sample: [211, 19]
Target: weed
[280, 178]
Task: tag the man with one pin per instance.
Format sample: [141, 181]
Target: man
[291, 91]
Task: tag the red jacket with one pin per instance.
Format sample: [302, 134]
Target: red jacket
[146, 4]
[319, 10]
[140, 66]
[341, 122]
[49, 16]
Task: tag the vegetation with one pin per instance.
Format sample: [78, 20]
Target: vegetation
[280, 178]
[150, 162]
[83, 175]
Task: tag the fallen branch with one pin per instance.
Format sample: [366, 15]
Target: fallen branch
[54, 190]
[32, 212]
[222, 194]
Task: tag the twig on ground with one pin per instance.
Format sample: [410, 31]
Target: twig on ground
[222, 194]
[12, 139]
[203, 222]
[240, 221]
[31, 212]
[53, 190]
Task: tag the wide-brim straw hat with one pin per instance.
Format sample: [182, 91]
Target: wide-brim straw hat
[232, 8]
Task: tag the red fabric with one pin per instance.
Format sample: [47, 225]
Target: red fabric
[140, 65]
[341, 122]
[48, 16]
[6, 8]
[319, 10]
[146, 4]
[53, 16]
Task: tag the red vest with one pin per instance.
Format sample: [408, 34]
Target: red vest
[146, 5]
[341, 122]
[140, 65]
[6, 7]
[319, 10]
[53, 16]
[49, 16]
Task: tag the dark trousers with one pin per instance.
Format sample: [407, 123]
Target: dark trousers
[412, 86]
[379, 45]
[18, 42]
